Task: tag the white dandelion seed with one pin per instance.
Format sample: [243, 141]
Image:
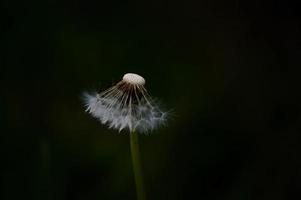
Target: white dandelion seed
[127, 105]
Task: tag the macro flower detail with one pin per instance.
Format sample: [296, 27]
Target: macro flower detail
[126, 105]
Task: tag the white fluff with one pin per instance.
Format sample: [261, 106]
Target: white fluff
[125, 106]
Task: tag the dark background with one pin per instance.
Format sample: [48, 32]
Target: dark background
[227, 70]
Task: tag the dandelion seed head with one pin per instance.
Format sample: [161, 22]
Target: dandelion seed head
[126, 105]
[134, 79]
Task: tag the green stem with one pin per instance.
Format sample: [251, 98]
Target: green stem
[137, 166]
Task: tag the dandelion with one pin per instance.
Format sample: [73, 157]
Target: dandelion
[127, 105]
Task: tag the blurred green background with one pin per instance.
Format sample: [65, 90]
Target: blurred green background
[226, 70]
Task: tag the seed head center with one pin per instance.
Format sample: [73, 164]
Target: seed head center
[133, 79]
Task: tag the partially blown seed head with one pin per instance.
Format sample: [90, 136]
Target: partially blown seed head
[126, 105]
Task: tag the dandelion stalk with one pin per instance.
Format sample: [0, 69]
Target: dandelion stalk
[137, 166]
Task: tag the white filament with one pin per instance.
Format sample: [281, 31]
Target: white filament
[124, 108]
